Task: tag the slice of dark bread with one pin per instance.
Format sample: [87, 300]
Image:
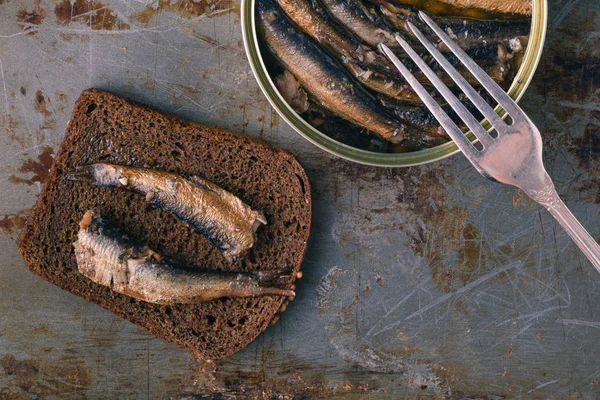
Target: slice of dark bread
[106, 128]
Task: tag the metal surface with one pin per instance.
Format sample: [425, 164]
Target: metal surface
[421, 282]
[514, 155]
[517, 89]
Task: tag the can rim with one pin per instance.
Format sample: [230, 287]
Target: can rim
[539, 21]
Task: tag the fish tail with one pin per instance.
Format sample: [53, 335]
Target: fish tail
[273, 278]
[253, 285]
[80, 173]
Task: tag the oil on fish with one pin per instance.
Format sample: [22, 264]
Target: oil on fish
[108, 258]
[324, 80]
[370, 68]
[498, 46]
[329, 47]
[222, 217]
[368, 27]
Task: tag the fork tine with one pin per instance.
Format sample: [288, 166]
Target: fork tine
[485, 109]
[456, 105]
[449, 126]
[488, 83]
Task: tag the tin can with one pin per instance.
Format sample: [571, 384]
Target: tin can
[517, 89]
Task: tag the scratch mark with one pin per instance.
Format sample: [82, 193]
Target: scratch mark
[388, 313]
[518, 289]
[591, 106]
[4, 85]
[16, 34]
[523, 329]
[577, 322]
[543, 385]
[466, 288]
[42, 51]
[564, 12]
[566, 299]
[533, 315]
[88, 13]
[493, 297]
[524, 229]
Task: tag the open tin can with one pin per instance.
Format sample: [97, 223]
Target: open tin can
[517, 89]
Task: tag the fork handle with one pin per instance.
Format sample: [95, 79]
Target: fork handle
[551, 201]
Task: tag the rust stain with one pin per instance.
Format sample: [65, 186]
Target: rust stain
[274, 120]
[39, 379]
[62, 97]
[40, 168]
[96, 15]
[145, 15]
[33, 17]
[11, 130]
[16, 180]
[452, 233]
[63, 100]
[261, 118]
[449, 230]
[41, 329]
[450, 375]
[256, 383]
[436, 228]
[187, 9]
[10, 223]
[40, 104]
[66, 37]
[412, 350]
[520, 199]
[24, 371]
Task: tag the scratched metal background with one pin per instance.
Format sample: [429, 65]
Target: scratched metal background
[423, 282]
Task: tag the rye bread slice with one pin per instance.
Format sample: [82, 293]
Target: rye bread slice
[106, 128]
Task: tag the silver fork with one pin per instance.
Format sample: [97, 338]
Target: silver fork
[513, 157]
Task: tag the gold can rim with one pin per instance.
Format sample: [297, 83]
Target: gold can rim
[533, 53]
